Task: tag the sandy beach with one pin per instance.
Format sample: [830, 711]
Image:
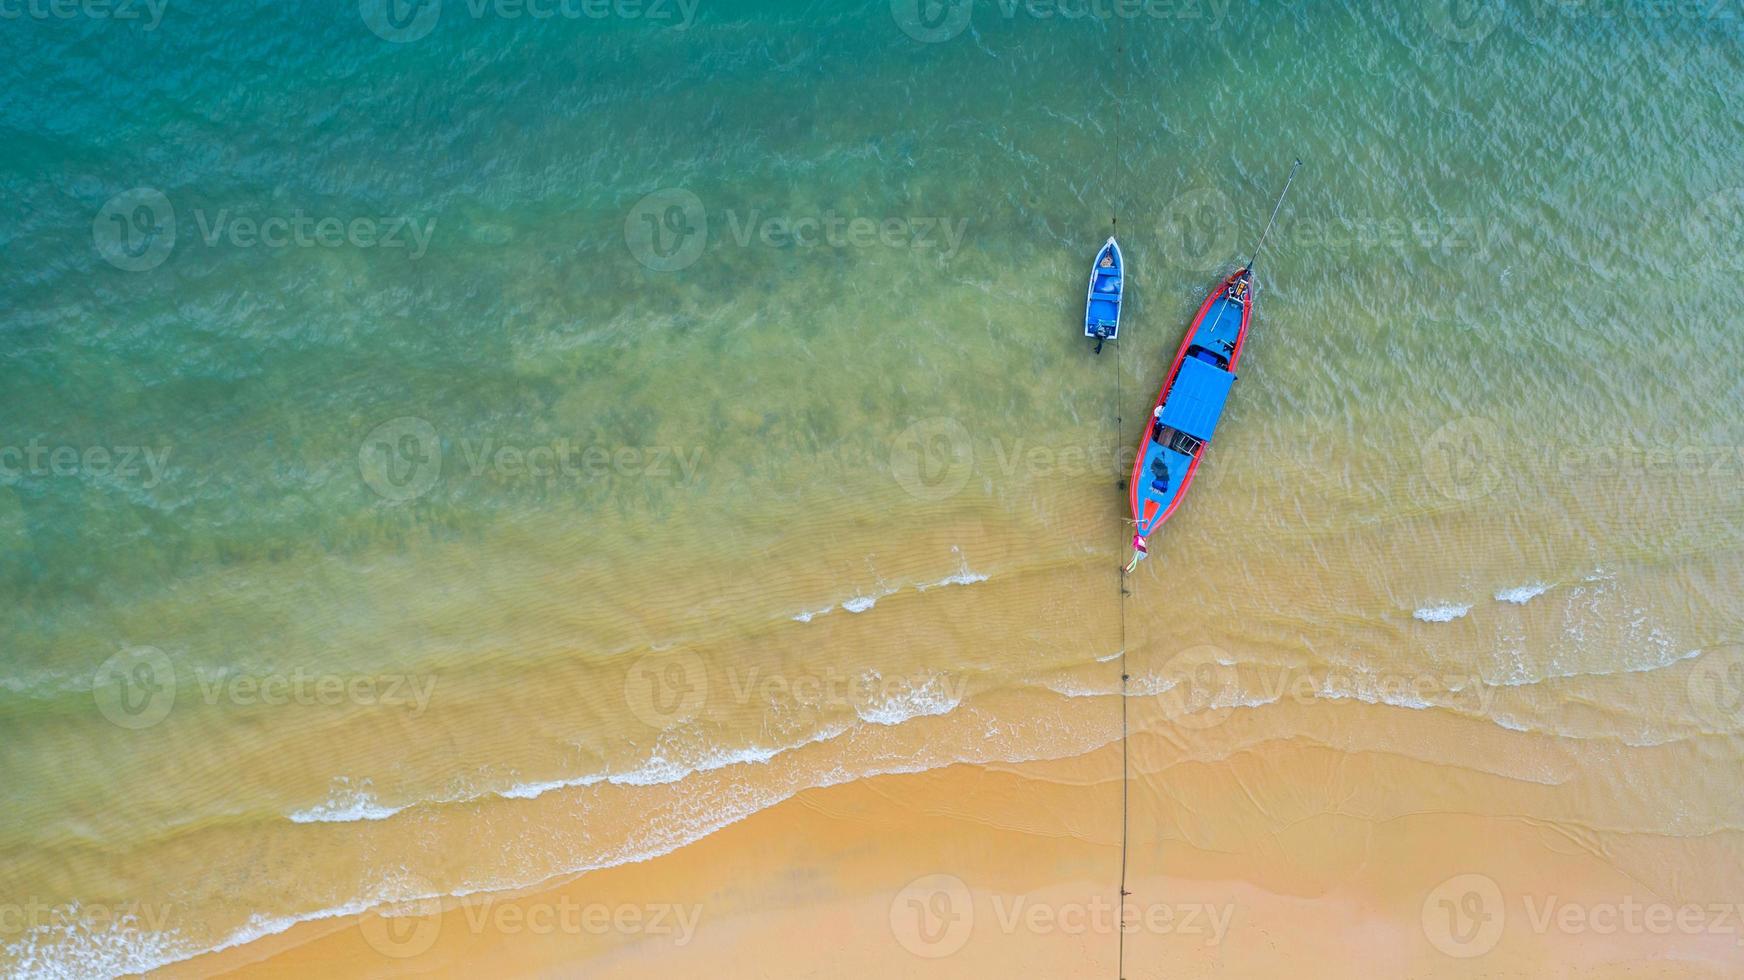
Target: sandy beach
[1281, 855]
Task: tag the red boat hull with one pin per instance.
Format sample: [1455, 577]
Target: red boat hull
[1149, 513]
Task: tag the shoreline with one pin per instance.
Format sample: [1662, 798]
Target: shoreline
[979, 869]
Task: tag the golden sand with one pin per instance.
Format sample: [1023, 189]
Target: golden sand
[1283, 857]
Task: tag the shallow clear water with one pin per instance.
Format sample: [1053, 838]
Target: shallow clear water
[508, 377]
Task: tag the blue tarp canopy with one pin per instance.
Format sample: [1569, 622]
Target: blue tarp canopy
[1196, 400]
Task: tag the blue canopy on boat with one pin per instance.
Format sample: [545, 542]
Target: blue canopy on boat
[1196, 401]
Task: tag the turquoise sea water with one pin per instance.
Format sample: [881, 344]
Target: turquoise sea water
[455, 343]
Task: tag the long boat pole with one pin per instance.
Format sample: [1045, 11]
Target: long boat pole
[1278, 207]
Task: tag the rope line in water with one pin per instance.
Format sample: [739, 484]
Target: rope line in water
[1120, 576]
[1125, 781]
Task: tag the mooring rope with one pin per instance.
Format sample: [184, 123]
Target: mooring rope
[1120, 576]
[1125, 781]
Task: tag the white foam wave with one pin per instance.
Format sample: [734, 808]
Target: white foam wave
[1072, 688]
[1658, 661]
[670, 762]
[861, 603]
[933, 695]
[1441, 614]
[346, 803]
[154, 951]
[673, 759]
[961, 578]
[1522, 594]
[70, 947]
[964, 576]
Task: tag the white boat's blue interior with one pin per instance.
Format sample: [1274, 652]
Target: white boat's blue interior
[1102, 312]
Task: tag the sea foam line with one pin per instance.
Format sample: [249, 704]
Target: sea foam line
[155, 951]
[1522, 594]
[934, 696]
[346, 803]
[1442, 614]
[861, 603]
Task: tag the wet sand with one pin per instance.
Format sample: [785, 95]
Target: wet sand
[1284, 856]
